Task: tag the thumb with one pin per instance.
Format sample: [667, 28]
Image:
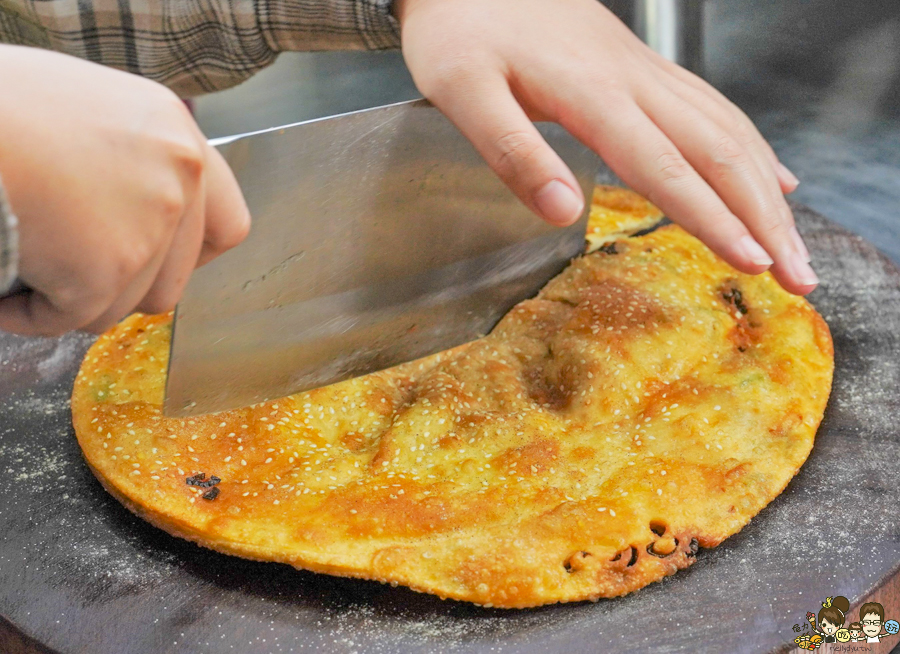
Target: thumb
[491, 118]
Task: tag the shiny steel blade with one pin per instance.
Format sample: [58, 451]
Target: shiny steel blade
[378, 237]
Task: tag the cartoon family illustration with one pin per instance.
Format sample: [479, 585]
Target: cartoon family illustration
[829, 627]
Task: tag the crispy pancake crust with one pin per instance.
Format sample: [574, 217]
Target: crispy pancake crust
[616, 213]
[648, 401]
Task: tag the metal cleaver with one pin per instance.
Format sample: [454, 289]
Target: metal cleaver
[378, 237]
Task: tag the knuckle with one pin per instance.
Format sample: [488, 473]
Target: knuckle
[773, 224]
[171, 204]
[132, 258]
[178, 135]
[609, 79]
[515, 149]
[728, 152]
[672, 167]
[728, 157]
[743, 131]
[190, 160]
[447, 75]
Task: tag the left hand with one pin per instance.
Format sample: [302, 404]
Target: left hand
[493, 66]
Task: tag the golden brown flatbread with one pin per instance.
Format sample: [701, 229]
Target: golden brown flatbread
[648, 401]
[616, 213]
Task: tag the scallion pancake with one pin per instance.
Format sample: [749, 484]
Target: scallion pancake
[648, 402]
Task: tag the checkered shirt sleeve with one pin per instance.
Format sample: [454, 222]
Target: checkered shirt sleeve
[196, 46]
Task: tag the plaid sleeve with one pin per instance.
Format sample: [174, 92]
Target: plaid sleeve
[196, 46]
[349, 24]
[9, 250]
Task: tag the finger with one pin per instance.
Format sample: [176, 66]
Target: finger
[635, 148]
[129, 297]
[159, 285]
[125, 303]
[732, 172]
[735, 123]
[80, 306]
[733, 116]
[227, 219]
[32, 314]
[491, 118]
[180, 258]
[730, 117]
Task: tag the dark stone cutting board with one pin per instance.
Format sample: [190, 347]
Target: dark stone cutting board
[79, 574]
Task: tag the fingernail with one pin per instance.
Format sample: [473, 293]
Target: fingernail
[788, 175]
[558, 203]
[799, 245]
[754, 251]
[803, 274]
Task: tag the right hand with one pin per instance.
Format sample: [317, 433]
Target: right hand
[119, 196]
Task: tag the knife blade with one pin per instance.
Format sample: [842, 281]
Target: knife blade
[378, 237]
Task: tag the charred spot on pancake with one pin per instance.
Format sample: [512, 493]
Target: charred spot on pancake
[745, 332]
[211, 494]
[732, 295]
[693, 548]
[608, 248]
[200, 480]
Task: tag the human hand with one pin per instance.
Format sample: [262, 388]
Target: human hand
[493, 66]
[118, 195]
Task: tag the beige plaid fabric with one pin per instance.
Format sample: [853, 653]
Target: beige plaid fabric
[191, 46]
[196, 46]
